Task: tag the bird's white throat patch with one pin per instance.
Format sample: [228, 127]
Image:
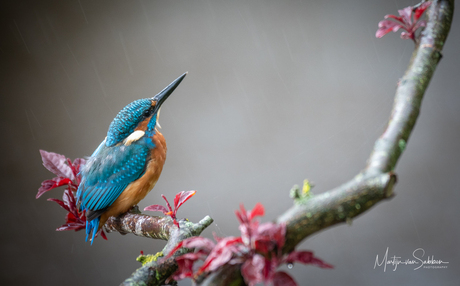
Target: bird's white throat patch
[133, 137]
[158, 119]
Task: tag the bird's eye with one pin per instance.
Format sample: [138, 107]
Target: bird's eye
[148, 112]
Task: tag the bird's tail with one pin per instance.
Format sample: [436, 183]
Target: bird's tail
[92, 226]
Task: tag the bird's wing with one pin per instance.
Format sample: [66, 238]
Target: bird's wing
[100, 147]
[107, 174]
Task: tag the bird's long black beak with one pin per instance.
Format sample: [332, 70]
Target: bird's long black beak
[163, 95]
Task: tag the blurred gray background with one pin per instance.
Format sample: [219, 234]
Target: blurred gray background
[277, 91]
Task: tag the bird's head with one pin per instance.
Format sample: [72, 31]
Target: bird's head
[140, 115]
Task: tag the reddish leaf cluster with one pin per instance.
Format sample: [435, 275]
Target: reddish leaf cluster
[258, 250]
[404, 21]
[67, 173]
[179, 200]
[74, 219]
[65, 170]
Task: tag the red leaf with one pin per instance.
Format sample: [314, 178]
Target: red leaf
[252, 270]
[185, 267]
[299, 256]
[318, 262]
[78, 162]
[77, 165]
[394, 17]
[103, 234]
[386, 26]
[306, 257]
[73, 223]
[216, 238]
[69, 199]
[404, 22]
[156, 208]
[76, 217]
[167, 203]
[420, 9]
[51, 184]
[258, 210]
[77, 225]
[220, 254]
[199, 242]
[245, 233]
[181, 198]
[281, 278]
[223, 256]
[56, 163]
[176, 248]
[275, 233]
[175, 221]
[263, 246]
[194, 256]
[280, 236]
[406, 35]
[70, 217]
[406, 14]
[419, 24]
[69, 163]
[242, 215]
[61, 203]
[66, 197]
[270, 267]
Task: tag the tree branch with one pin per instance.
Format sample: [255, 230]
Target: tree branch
[411, 88]
[141, 225]
[376, 181]
[338, 205]
[156, 272]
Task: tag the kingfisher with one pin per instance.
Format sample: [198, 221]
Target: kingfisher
[127, 164]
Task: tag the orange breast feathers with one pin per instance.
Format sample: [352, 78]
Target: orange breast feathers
[138, 189]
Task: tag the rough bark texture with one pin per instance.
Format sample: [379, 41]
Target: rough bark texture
[141, 225]
[338, 205]
[156, 272]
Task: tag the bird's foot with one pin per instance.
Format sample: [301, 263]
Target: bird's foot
[135, 210]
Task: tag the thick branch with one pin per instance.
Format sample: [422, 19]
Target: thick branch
[376, 182]
[141, 225]
[156, 272]
[338, 205]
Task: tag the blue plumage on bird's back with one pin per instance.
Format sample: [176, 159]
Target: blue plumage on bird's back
[118, 162]
[106, 175]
